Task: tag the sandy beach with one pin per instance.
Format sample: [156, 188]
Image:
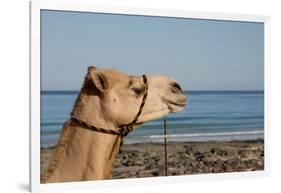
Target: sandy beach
[144, 160]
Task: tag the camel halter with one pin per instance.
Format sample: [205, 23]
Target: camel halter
[124, 130]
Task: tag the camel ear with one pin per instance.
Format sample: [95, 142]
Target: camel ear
[98, 78]
[90, 68]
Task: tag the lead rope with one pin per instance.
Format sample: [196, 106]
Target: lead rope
[165, 146]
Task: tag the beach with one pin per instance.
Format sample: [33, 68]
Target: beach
[184, 158]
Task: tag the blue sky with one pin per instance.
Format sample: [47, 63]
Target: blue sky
[199, 54]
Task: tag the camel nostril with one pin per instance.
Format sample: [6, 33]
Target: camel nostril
[176, 87]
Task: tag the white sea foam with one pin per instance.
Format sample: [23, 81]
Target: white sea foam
[197, 137]
[208, 134]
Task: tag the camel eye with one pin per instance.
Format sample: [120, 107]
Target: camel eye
[138, 91]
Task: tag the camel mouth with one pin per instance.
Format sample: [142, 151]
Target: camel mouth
[175, 107]
[183, 104]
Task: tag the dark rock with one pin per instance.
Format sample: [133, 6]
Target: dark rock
[199, 156]
[155, 173]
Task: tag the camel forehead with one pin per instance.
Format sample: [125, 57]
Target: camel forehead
[115, 76]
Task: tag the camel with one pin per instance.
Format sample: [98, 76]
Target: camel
[108, 99]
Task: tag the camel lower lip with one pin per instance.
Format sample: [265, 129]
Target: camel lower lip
[177, 104]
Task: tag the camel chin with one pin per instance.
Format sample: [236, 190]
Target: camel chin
[152, 116]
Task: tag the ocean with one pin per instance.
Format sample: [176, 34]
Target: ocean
[209, 116]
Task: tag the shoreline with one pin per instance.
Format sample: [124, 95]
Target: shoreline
[184, 158]
[257, 134]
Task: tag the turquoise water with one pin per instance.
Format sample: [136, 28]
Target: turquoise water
[210, 115]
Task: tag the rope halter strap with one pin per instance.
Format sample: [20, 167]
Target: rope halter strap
[124, 130]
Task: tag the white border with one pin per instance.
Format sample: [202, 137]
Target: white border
[36, 6]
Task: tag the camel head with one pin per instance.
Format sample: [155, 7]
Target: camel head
[118, 96]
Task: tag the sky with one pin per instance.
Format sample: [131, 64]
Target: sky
[199, 54]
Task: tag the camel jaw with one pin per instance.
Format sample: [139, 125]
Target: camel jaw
[152, 116]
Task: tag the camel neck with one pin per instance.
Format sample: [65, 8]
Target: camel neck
[85, 156]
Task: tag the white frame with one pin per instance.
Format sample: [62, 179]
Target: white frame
[37, 6]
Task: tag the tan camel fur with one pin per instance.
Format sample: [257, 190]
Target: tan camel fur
[108, 99]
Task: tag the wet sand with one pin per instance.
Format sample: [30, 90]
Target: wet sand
[184, 158]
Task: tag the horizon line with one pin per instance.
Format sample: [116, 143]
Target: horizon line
[244, 90]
